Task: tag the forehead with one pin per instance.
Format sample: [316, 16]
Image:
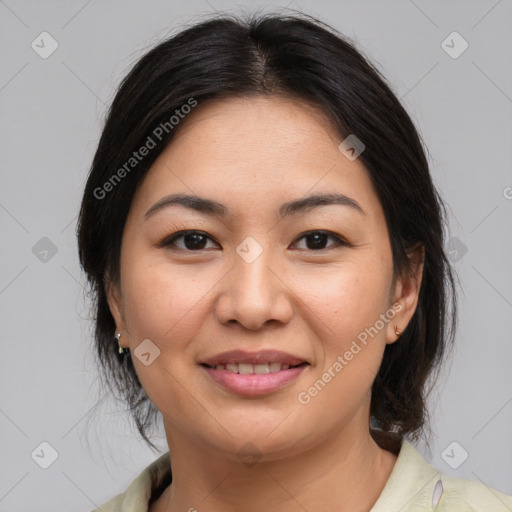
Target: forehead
[259, 127]
[262, 149]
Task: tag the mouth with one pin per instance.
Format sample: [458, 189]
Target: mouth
[257, 369]
[254, 374]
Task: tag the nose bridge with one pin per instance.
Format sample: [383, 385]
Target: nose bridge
[253, 277]
[253, 293]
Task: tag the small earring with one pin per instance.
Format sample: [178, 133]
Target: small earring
[122, 350]
[397, 332]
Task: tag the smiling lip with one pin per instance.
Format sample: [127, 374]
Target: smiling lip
[254, 384]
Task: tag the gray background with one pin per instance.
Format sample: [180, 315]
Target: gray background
[51, 116]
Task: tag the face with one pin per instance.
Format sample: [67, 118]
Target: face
[310, 283]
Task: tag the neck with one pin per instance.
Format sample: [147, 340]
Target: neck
[343, 473]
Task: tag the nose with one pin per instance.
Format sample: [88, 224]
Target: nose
[254, 294]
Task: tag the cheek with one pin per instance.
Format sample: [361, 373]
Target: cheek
[163, 300]
[342, 313]
[162, 303]
[347, 299]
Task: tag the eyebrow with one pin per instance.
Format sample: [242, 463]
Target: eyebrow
[216, 209]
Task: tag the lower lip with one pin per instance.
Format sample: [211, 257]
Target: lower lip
[254, 384]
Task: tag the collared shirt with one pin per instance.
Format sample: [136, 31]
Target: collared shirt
[413, 486]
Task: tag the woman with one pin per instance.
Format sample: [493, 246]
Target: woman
[265, 246]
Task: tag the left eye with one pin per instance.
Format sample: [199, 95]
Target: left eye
[317, 239]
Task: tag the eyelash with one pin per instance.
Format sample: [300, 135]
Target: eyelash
[168, 241]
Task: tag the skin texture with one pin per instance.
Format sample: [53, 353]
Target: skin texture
[252, 155]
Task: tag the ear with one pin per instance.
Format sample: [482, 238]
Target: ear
[406, 291]
[113, 293]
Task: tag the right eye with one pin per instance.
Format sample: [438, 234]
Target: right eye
[192, 241]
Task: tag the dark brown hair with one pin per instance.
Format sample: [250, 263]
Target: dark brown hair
[294, 56]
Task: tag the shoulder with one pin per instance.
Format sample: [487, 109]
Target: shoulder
[472, 496]
[415, 485]
[141, 491]
[113, 505]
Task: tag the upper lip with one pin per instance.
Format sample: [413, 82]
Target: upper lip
[260, 357]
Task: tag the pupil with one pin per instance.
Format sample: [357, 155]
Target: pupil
[319, 240]
[196, 240]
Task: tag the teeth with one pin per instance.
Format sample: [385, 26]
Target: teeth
[261, 369]
[247, 369]
[244, 369]
[274, 367]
